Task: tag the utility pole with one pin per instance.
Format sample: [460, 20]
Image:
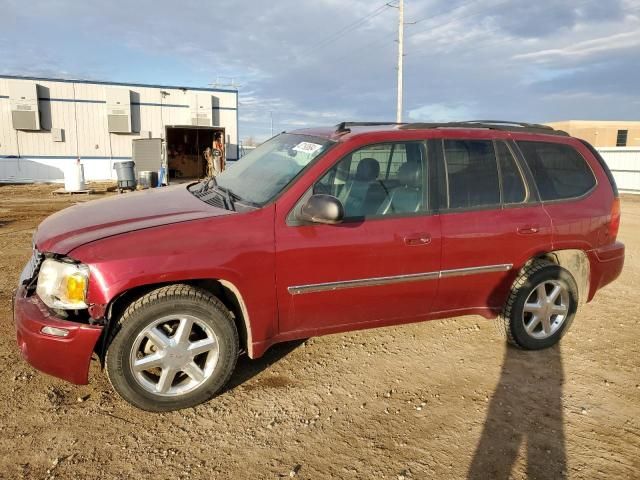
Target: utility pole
[271, 117]
[400, 58]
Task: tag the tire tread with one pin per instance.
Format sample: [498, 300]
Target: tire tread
[168, 292]
[505, 318]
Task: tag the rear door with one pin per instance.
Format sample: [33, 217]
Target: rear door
[381, 264]
[565, 182]
[492, 223]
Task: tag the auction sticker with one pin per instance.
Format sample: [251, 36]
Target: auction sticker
[307, 147]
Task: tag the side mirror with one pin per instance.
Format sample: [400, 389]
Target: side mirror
[322, 208]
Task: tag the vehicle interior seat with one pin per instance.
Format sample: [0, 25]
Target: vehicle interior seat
[471, 183]
[364, 193]
[545, 184]
[407, 198]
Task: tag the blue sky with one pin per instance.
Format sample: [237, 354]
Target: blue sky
[324, 61]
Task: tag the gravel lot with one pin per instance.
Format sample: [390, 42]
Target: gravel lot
[442, 399]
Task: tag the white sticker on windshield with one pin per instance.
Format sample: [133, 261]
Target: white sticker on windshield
[307, 147]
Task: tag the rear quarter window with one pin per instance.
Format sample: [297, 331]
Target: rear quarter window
[559, 171]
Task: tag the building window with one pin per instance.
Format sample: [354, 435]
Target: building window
[621, 141]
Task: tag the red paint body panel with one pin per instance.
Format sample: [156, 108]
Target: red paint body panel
[494, 232]
[63, 357]
[167, 235]
[606, 265]
[238, 248]
[86, 222]
[331, 253]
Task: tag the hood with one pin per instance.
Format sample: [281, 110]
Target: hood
[86, 222]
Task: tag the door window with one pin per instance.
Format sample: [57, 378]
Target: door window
[380, 179]
[472, 173]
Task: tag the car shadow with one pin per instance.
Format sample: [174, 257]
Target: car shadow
[247, 368]
[525, 412]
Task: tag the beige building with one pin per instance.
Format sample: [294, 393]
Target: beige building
[602, 134]
[47, 124]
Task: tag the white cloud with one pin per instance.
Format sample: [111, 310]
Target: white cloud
[497, 58]
[586, 48]
[440, 112]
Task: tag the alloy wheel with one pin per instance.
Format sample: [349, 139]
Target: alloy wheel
[545, 309]
[174, 355]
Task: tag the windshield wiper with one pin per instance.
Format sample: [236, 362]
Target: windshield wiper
[207, 184]
[228, 197]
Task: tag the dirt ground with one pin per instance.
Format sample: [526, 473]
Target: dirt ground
[442, 399]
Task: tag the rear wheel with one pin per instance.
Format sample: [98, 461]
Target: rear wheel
[541, 306]
[174, 348]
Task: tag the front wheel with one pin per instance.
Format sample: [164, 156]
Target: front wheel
[541, 306]
[173, 348]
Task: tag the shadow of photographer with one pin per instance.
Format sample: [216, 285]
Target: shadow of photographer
[525, 412]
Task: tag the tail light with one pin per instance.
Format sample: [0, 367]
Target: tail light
[614, 222]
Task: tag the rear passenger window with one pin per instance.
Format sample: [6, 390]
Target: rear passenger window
[513, 188]
[472, 173]
[559, 170]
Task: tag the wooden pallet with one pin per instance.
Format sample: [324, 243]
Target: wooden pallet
[62, 191]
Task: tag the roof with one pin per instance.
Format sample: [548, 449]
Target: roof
[345, 129]
[98, 82]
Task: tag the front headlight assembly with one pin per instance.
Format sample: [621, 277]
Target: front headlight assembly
[63, 285]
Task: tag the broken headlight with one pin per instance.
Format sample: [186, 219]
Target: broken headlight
[63, 285]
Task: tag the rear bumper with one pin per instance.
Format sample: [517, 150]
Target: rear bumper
[606, 266]
[63, 357]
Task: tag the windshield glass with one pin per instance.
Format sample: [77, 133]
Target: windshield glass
[264, 172]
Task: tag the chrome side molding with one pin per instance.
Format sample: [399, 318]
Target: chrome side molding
[413, 277]
[463, 272]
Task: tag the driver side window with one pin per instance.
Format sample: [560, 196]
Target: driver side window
[379, 179]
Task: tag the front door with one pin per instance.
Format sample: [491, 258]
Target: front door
[381, 264]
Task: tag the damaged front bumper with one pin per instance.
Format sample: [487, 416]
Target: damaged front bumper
[65, 357]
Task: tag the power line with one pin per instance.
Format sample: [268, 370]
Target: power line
[348, 28]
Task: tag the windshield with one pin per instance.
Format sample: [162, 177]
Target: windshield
[263, 173]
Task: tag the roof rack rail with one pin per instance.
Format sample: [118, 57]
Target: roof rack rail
[345, 127]
[490, 125]
[517, 124]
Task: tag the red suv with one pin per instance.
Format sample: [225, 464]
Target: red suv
[320, 231]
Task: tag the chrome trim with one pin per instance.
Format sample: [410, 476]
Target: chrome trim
[463, 272]
[365, 282]
[413, 277]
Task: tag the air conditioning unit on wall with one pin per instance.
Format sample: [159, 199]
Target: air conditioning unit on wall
[25, 113]
[201, 105]
[118, 110]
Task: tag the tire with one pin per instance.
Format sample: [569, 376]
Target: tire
[169, 329]
[532, 319]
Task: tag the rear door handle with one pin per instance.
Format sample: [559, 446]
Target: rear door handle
[528, 229]
[418, 239]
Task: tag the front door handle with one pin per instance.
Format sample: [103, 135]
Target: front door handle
[418, 239]
[528, 229]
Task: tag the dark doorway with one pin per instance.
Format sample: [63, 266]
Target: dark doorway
[185, 151]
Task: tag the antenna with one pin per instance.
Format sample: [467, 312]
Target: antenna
[225, 82]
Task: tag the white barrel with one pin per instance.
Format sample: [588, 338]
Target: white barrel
[74, 178]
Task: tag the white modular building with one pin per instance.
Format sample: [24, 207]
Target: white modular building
[47, 124]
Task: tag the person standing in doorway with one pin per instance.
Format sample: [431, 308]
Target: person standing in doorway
[218, 153]
[210, 160]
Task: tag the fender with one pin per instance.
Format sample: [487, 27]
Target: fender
[236, 250]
